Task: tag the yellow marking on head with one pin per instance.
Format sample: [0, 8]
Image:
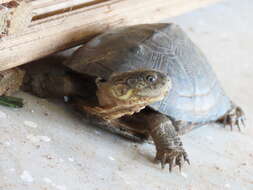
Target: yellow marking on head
[116, 93]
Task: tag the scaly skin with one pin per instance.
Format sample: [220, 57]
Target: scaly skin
[169, 146]
[129, 92]
[166, 139]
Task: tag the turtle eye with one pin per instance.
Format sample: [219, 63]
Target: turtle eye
[151, 78]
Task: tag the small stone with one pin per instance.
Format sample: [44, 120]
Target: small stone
[111, 158]
[36, 139]
[45, 138]
[3, 115]
[71, 159]
[47, 180]
[30, 124]
[65, 98]
[26, 177]
[98, 132]
[7, 143]
[227, 185]
[184, 175]
[32, 138]
[217, 168]
[48, 157]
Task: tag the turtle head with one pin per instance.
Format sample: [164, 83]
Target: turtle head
[139, 85]
[133, 89]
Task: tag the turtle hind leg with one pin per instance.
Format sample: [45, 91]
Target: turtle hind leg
[233, 118]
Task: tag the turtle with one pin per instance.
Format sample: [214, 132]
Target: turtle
[147, 82]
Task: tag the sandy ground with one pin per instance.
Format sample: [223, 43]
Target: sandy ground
[45, 146]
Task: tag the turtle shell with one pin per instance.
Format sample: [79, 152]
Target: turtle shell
[196, 94]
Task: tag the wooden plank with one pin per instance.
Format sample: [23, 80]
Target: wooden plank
[4, 1]
[15, 16]
[43, 6]
[60, 31]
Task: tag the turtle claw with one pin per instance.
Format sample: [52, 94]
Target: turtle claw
[234, 118]
[172, 156]
[168, 144]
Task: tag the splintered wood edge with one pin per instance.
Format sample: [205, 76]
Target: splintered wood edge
[15, 16]
[61, 31]
[4, 1]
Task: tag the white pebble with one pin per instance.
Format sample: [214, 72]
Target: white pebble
[26, 177]
[33, 138]
[3, 115]
[30, 124]
[36, 139]
[65, 98]
[71, 159]
[47, 180]
[98, 132]
[227, 185]
[7, 143]
[111, 158]
[45, 138]
[60, 187]
[184, 175]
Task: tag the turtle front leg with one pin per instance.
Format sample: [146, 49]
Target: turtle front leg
[168, 144]
[234, 117]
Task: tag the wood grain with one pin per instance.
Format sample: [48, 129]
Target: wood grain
[15, 16]
[57, 31]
